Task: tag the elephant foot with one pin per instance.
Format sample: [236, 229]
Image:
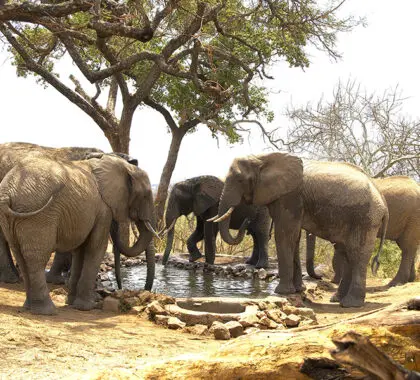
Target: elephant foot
[261, 264]
[335, 298]
[300, 288]
[194, 256]
[9, 276]
[55, 278]
[285, 289]
[44, 307]
[27, 304]
[397, 281]
[70, 299]
[251, 261]
[351, 301]
[83, 305]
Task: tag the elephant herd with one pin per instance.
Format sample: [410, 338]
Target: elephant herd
[70, 200]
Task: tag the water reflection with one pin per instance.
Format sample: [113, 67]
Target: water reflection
[191, 283]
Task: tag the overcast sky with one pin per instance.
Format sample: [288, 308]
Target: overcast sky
[379, 56]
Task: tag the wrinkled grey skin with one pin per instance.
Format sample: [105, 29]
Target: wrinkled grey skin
[333, 200]
[402, 195]
[48, 205]
[200, 195]
[12, 153]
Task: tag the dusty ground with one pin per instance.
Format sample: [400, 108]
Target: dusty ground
[101, 345]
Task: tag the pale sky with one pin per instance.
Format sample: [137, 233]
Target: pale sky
[380, 56]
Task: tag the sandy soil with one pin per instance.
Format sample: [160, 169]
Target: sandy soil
[101, 345]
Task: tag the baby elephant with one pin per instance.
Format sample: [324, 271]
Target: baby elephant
[47, 205]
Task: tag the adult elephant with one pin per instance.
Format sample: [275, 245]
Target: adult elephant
[402, 195]
[200, 195]
[10, 155]
[335, 201]
[48, 205]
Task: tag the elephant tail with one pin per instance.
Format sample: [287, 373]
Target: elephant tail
[375, 261]
[18, 214]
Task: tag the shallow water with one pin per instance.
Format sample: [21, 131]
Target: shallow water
[191, 283]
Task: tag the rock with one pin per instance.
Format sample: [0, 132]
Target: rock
[156, 308]
[133, 301]
[251, 330]
[161, 320]
[292, 320]
[235, 328]
[260, 314]
[111, 304]
[59, 291]
[267, 322]
[119, 293]
[278, 301]
[220, 331]
[250, 320]
[262, 274]
[197, 330]
[276, 315]
[306, 312]
[107, 284]
[290, 310]
[145, 297]
[175, 324]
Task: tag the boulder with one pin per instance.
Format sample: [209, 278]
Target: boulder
[292, 320]
[276, 315]
[197, 329]
[235, 328]
[306, 312]
[250, 320]
[262, 274]
[156, 308]
[175, 324]
[111, 304]
[161, 320]
[220, 331]
[268, 323]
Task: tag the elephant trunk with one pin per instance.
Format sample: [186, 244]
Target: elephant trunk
[140, 245]
[151, 262]
[169, 243]
[225, 223]
[310, 253]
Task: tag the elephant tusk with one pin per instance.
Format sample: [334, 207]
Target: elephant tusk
[150, 228]
[213, 219]
[164, 232]
[225, 216]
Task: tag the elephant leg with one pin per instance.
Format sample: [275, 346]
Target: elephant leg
[406, 271]
[192, 241]
[209, 242]
[93, 253]
[287, 216]
[76, 270]
[340, 256]
[8, 271]
[253, 259]
[61, 263]
[358, 258]
[297, 268]
[337, 264]
[261, 241]
[21, 262]
[412, 277]
[310, 255]
[39, 298]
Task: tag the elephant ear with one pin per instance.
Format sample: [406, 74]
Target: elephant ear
[113, 183]
[206, 195]
[279, 174]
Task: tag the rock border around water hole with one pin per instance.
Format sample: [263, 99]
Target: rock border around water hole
[271, 313]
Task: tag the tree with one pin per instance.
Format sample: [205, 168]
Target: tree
[192, 61]
[366, 129]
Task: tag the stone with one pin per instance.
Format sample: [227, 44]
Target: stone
[235, 328]
[278, 301]
[174, 323]
[111, 304]
[197, 329]
[220, 331]
[145, 297]
[251, 330]
[133, 301]
[276, 315]
[306, 312]
[156, 308]
[161, 320]
[262, 274]
[250, 320]
[292, 320]
[107, 284]
[290, 310]
[267, 322]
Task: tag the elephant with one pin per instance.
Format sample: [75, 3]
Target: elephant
[402, 195]
[333, 200]
[48, 205]
[201, 195]
[12, 153]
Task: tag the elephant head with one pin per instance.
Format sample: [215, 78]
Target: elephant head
[126, 190]
[258, 180]
[195, 195]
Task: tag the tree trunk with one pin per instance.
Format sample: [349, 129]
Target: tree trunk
[165, 179]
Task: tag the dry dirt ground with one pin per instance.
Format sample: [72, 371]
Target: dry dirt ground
[101, 345]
